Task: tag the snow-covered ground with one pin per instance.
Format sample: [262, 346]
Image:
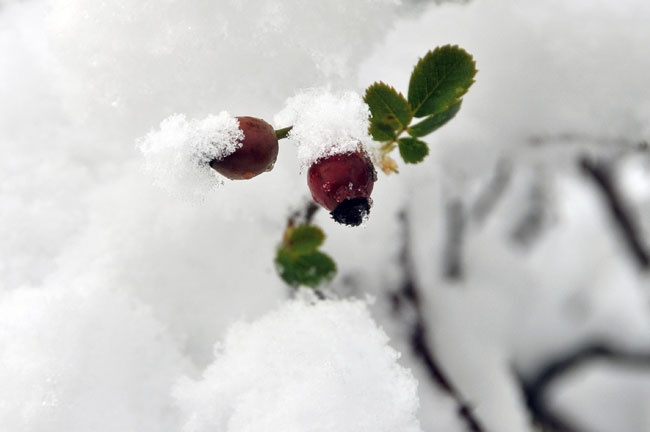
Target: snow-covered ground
[124, 307]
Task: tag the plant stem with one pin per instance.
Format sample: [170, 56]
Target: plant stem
[388, 164]
[283, 133]
[389, 146]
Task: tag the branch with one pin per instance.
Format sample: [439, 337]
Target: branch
[535, 389]
[602, 176]
[305, 214]
[452, 265]
[420, 346]
[619, 144]
[531, 224]
[492, 192]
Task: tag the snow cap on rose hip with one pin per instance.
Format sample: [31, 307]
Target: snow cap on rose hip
[330, 130]
[326, 123]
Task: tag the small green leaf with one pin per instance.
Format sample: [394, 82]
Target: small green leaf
[381, 132]
[311, 269]
[286, 268]
[440, 79]
[435, 121]
[388, 106]
[412, 150]
[305, 239]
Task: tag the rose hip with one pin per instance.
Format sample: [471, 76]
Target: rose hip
[342, 183]
[257, 154]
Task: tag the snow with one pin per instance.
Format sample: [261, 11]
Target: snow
[133, 63]
[325, 123]
[178, 154]
[318, 367]
[74, 358]
[113, 294]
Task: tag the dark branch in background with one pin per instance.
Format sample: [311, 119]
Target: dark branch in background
[530, 226]
[458, 216]
[452, 265]
[409, 296]
[602, 175]
[536, 388]
[619, 144]
[493, 191]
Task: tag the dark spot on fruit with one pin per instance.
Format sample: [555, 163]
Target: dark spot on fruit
[352, 211]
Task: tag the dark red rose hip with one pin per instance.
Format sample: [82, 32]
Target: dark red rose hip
[342, 183]
[257, 154]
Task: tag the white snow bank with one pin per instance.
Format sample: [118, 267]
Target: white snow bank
[136, 61]
[80, 360]
[318, 367]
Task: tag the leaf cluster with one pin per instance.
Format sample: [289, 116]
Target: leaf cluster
[436, 87]
[298, 260]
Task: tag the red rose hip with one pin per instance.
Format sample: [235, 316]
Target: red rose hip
[342, 183]
[257, 154]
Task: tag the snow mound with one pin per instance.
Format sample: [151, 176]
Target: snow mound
[137, 61]
[325, 123]
[81, 360]
[317, 367]
[177, 155]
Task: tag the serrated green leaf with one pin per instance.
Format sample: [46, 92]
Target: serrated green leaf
[381, 132]
[440, 79]
[305, 239]
[311, 269]
[434, 122]
[388, 106]
[412, 150]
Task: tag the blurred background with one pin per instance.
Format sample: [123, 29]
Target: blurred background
[510, 267]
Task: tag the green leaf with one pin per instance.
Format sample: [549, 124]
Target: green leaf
[305, 239]
[439, 80]
[381, 132]
[388, 106]
[412, 150]
[435, 121]
[311, 269]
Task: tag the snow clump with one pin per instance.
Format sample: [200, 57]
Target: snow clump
[319, 367]
[84, 359]
[325, 123]
[177, 155]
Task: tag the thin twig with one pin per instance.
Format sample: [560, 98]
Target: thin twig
[452, 266]
[532, 222]
[492, 192]
[419, 339]
[304, 215]
[535, 389]
[602, 175]
[572, 138]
